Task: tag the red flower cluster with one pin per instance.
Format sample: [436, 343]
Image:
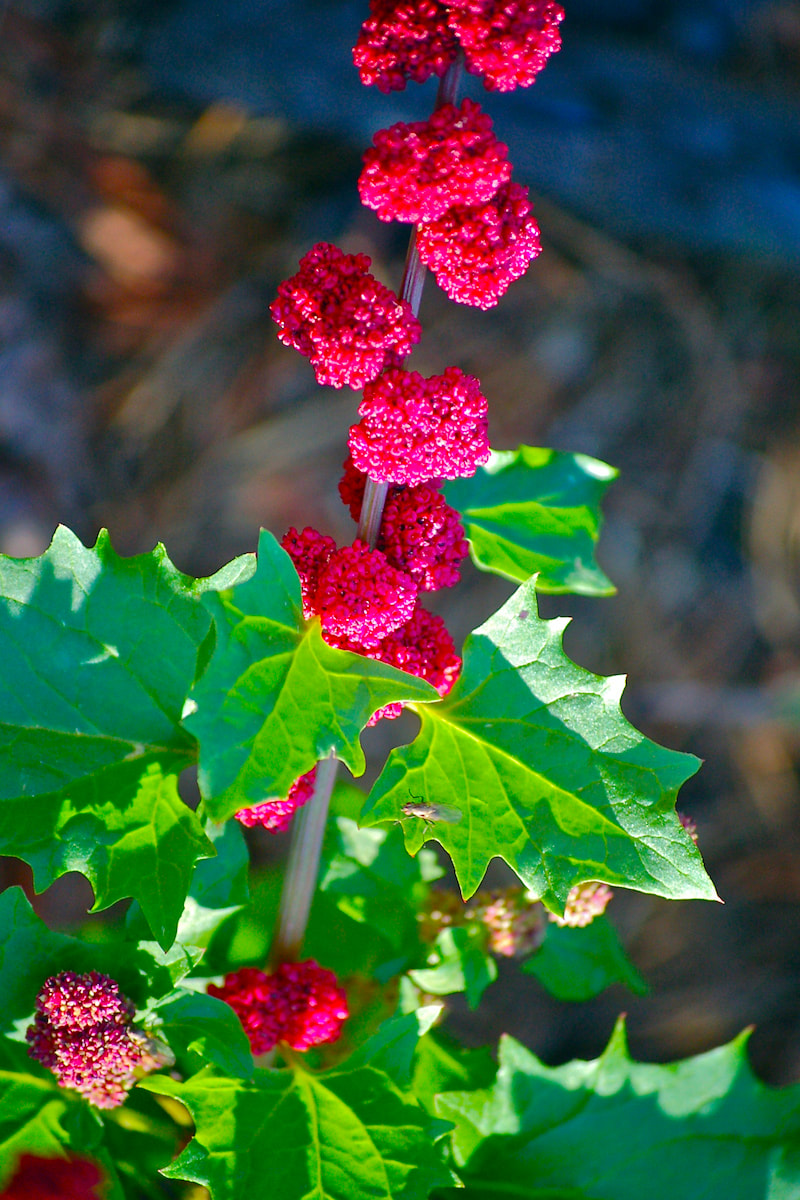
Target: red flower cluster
[584, 902]
[276, 815]
[38, 1178]
[83, 1033]
[341, 318]
[299, 1003]
[506, 41]
[416, 172]
[414, 429]
[477, 252]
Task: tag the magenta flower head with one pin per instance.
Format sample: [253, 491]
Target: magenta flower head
[584, 902]
[39, 1178]
[309, 551]
[299, 1003]
[401, 40]
[342, 319]
[476, 253]
[276, 815]
[414, 429]
[506, 41]
[416, 172]
[360, 596]
[83, 1032]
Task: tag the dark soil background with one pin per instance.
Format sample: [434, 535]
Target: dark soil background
[164, 165]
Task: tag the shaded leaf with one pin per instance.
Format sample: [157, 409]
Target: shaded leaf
[577, 964]
[38, 1117]
[462, 965]
[614, 1129]
[392, 1047]
[546, 772]
[206, 1029]
[531, 510]
[275, 697]
[340, 1135]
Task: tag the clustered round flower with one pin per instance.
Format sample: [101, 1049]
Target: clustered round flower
[689, 824]
[298, 1003]
[309, 551]
[342, 319]
[83, 1033]
[276, 815]
[506, 41]
[416, 172]
[404, 39]
[414, 429]
[514, 922]
[584, 902]
[40, 1178]
[476, 253]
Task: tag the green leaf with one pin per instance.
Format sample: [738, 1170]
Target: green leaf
[99, 653]
[442, 1065]
[531, 759]
[615, 1129]
[275, 697]
[532, 510]
[392, 1047]
[204, 1029]
[38, 1117]
[340, 1135]
[577, 964]
[462, 965]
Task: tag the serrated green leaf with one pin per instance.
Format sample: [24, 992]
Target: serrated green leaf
[536, 764]
[392, 1047]
[442, 1065]
[99, 653]
[531, 510]
[275, 697]
[30, 952]
[614, 1129]
[206, 1029]
[577, 964]
[462, 966]
[341, 1135]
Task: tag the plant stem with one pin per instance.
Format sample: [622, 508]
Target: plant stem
[302, 866]
[308, 827]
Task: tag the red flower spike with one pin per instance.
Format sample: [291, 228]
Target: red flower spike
[404, 39]
[416, 172]
[38, 1178]
[506, 41]
[361, 597]
[584, 902]
[83, 1033]
[299, 1003]
[476, 253]
[422, 535]
[309, 551]
[414, 429]
[276, 815]
[342, 319]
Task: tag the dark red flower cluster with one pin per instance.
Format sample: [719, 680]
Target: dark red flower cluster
[342, 319]
[83, 1032]
[476, 253]
[299, 1003]
[39, 1178]
[506, 41]
[414, 429]
[416, 172]
[276, 815]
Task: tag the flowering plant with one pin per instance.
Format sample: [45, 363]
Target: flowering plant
[292, 1045]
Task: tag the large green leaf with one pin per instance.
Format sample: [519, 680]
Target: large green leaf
[275, 697]
[203, 1030]
[577, 964]
[614, 1129]
[530, 510]
[341, 1135]
[38, 1117]
[99, 653]
[530, 759]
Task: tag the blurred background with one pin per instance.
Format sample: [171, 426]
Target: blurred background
[163, 165]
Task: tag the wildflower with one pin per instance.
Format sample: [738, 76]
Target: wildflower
[360, 596]
[584, 902]
[477, 252]
[404, 39]
[690, 825]
[506, 41]
[342, 319]
[416, 172]
[83, 1033]
[299, 1003]
[514, 922]
[276, 815]
[414, 429]
[422, 535]
[309, 551]
[41, 1178]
